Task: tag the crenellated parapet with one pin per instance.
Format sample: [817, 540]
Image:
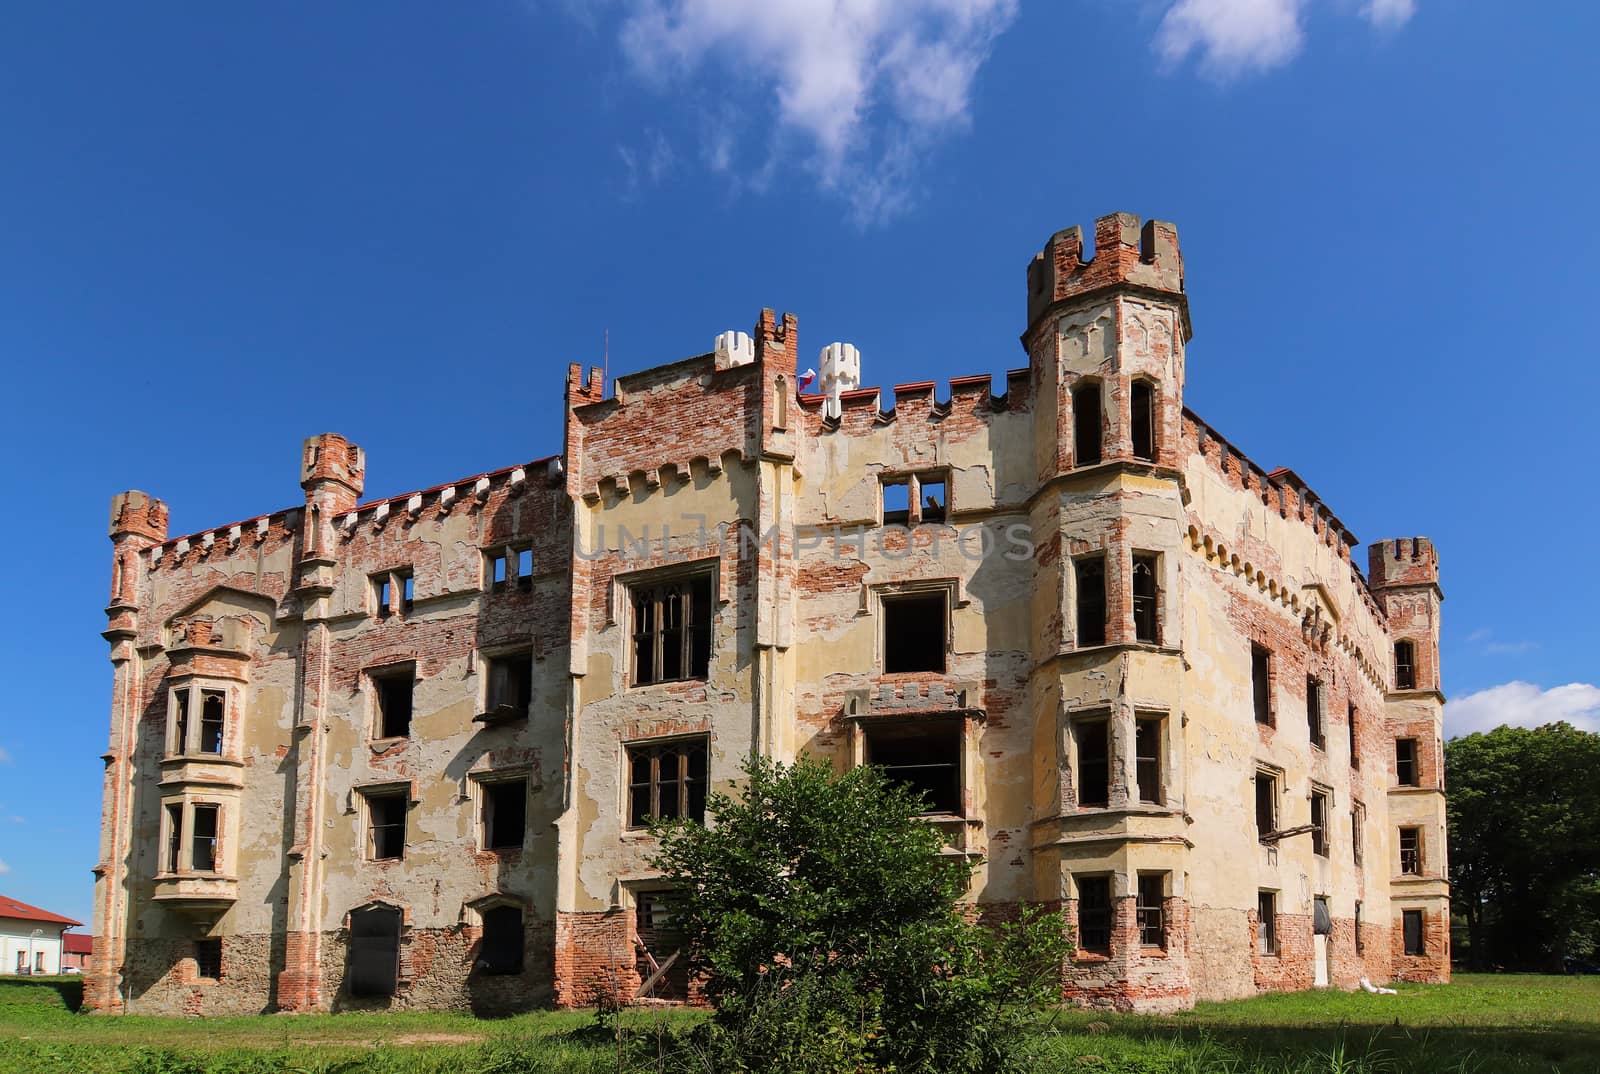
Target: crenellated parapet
[1126, 254]
[138, 522]
[1402, 561]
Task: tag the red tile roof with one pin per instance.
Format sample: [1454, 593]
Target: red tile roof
[10, 907]
[77, 943]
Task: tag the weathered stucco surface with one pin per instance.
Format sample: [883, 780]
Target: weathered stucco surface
[717, 466]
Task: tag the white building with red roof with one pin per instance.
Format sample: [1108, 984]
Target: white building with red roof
[30, 938]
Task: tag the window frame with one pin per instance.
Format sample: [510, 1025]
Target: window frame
[1105, 911]
[391, 594]
[1142, 721]
[495, 676]
[1099, 720]
[384, 792]
[1150, 632]
[1081, 436]
[487, 785]
[951, 728]
[680, 746]
[1415, 853]
[657, 585]
[379, 680]
[1321, 802]
[1414, 762]
[1408, 680]
[1082, 609]
[508, 560]
[1267, 945]
[1407, 916]
[1275, 788]
[1146, 910]
[1151, 417]
[1316, 716]
[927, 594]
[208, 956]
[1261, 690]
[187, 724]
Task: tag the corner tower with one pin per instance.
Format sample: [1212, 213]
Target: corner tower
[1403, 574]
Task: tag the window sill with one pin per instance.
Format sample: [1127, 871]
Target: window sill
[1090, 957]
[501, 714]
[694, 681]
[201, 758]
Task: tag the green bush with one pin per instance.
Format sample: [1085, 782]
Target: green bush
[828, 925]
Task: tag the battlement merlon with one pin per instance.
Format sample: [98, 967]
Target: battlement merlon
[1143, 258]
[135, 514]
[1402, 561]
[330, 457]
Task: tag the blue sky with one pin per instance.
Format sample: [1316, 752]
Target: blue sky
[229, 226]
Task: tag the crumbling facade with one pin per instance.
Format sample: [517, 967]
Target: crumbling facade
[401, 753]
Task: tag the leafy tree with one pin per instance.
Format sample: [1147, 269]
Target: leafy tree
[829, 928]
[1524, 816]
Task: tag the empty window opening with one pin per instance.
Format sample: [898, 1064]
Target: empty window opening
[393, 689]
[1087, 430]
[915, 626]
[1267, 922]
[174, 837]
[203, 844]
[1319, 823]
[1146, 601]
[1093, 739]
[1416, 943]
[1144, 421]
[382, 596]
[510, 691]
[386, 825]
[408, 593]
[672, 630]
[1147, 756]
[1411, 851]
[525, 569]
[1405, 763]
[1355, 743]
[1090, 576]
[924, 756]
[374, 951]
[1152, 910]
[208, 959]
[661, 937]
[933, 501]
[1405, 666]
[180, 721]
[499, 569]
[505, 814]
[897, 501]
[500, 951]
[667, 782]
[1261, 683]
[213, 708]
[1094, 913]
[1358, 821]
[1266, 804]
[1314, 712]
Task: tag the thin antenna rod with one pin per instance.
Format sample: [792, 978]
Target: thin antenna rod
[606, 360]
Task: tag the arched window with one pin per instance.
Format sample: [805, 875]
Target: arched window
[1405, 666]
[780, 403]
[1087, 424]
[1143, 420]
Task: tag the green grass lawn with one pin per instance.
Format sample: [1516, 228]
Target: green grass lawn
[1482, 1024]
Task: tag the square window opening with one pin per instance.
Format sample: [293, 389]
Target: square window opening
[1090, 575]
[923, 756]
[1093, 739]
[672, 630]
[510, 690]
[393, 692]
[897, 501]
[1152, 910]
[667, 781]
[208, 959]
[915, 626]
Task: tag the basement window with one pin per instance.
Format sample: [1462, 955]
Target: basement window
[510, 689]
[915, 626]
[1152, 910]
[1094, 914]
[504, 813]
[1266, 804]
[1411, 924]
[392, 689]
[386, 824]
[1147, 758]
[897, 501]
[922, 755]
[1405, 763]
[1319, 823]
[1090, 575]
[1146, 600]
[203, 841]
[671, 630]
[208, 959]
[1143, 421]
[1411, 851]
[1405, 666]
[1087, 424]
[1093, 739]
[667, 781]
[1261, 683]
[500, 951]
[1267, 922]
[1314, 727]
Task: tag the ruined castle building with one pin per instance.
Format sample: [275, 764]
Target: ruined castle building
[403, 752]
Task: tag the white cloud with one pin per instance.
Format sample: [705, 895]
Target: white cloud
[4, 868]
[1522, 704]
[866, 84]
[1241, 37]
[1387, 14]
